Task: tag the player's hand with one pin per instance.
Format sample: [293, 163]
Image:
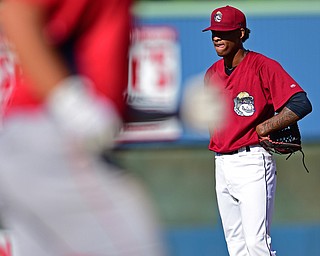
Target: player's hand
[202, 107]
[83, 116]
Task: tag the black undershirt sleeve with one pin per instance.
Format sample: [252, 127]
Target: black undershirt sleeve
[299, 104]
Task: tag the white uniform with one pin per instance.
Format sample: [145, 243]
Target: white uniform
[58, 201]
[247, 191]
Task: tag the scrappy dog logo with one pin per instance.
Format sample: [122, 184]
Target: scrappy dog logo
[244, 104]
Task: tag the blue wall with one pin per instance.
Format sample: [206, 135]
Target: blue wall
[291, 40]
[287, 240]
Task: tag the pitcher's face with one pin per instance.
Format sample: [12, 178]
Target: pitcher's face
[227, 42]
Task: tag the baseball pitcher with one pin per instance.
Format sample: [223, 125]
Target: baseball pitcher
[254, 87]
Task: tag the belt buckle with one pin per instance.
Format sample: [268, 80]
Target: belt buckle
[242, 149]
[245, 149]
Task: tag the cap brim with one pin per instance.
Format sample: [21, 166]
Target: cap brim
[216, 28]
[206, 29]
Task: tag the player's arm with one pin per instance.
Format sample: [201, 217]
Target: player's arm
[69, 100]
[296, 108]
[23, 23]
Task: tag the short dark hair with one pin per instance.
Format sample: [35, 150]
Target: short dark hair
[246, 34]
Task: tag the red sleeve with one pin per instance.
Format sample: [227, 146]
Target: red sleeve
[280, 84]
[207, 76]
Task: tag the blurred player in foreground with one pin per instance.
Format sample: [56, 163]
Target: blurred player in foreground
[59, 197]
[255, 87]
[8, 74]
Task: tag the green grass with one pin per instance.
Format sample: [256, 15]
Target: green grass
[181, 183]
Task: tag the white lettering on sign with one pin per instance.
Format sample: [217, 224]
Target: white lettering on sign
[154, 69]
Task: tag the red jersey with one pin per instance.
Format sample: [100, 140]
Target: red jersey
[254, 91]
[90, 35]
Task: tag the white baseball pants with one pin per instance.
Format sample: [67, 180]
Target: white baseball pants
[58, 202]
[245, 187]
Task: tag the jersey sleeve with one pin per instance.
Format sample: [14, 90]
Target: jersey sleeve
[207, 76]
[280, 86]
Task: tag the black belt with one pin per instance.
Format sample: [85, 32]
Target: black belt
[233, 152]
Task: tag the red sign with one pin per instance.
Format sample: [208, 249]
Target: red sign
[154, 83]
[154, 70]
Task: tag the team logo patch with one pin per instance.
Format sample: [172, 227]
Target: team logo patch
[244, 104]
[218, 16]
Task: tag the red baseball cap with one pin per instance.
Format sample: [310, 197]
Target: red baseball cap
[226, 19]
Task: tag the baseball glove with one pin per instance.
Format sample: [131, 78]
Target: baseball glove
[284, 141]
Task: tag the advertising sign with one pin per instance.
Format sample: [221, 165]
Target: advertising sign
[154, 84]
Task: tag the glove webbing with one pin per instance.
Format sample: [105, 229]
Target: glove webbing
[290, 134]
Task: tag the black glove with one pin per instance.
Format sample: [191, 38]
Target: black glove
[284, 141]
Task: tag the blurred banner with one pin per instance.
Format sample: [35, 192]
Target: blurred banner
[154, 85]
[169, 49]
